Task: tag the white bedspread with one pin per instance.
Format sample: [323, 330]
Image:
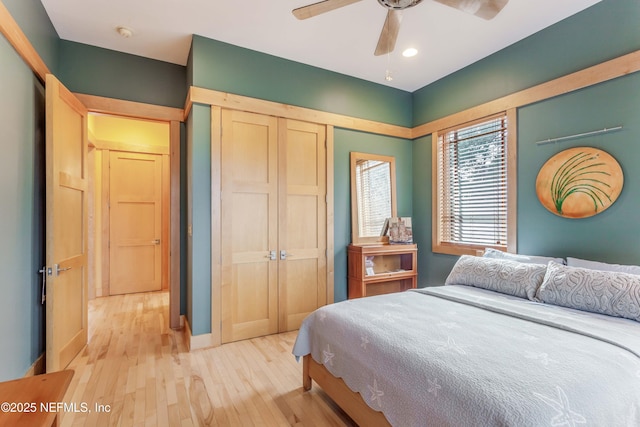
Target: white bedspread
[462, 356]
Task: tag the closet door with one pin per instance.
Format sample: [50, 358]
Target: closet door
[302, 221]
[249, 224]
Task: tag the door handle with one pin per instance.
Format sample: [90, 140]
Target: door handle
[271, 256]
[156, 242]
[43, 293]
[284, 255]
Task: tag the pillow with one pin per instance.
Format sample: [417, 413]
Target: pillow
[605, 292]
[528, 259]
[500, 275]
[602, 266]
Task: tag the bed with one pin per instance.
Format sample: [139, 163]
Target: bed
[504, 343]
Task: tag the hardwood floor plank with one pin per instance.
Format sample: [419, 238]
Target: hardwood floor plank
[141, 370]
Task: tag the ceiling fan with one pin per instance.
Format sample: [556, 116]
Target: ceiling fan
[486, 9]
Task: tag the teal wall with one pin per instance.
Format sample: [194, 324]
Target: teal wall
[103, 72]
[199, 217]
[21, 192]
[36, 25]
[345, 142]
[604, 31]
[227, 68]
[613, 235]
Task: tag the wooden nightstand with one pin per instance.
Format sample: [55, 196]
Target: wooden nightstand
[381, 269]
[29, 399]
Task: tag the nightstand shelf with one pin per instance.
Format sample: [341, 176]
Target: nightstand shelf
[381, 269]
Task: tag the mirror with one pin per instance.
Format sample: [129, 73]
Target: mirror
[373, 196]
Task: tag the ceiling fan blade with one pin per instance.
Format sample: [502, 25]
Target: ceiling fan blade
[316, 9]
[485, 9]
[389, 34]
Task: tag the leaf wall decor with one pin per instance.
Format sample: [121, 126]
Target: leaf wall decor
[579, 182]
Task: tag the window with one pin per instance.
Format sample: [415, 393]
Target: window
[473, 207]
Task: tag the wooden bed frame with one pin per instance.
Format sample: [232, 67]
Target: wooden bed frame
[350, 401]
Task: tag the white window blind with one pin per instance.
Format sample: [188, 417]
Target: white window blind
[374, 201]
[472, 184]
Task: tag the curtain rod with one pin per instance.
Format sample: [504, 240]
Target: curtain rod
[579, 135]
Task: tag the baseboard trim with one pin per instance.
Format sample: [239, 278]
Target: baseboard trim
[196, 342]
[37, 368]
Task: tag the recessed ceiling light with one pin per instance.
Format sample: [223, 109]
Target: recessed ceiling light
[408, 53]
[124, 32]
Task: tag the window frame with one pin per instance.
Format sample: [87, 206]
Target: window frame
[444, 247]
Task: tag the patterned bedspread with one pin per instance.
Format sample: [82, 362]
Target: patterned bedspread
[462, 356]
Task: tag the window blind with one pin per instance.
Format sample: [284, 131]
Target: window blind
[472, 183]
[372, 176]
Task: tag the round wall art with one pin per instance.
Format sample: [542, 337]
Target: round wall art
[579, 182]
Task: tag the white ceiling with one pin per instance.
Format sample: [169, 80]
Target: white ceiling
[342, 40]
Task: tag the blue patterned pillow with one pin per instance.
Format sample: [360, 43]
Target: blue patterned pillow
[605, 292]
[499, 275]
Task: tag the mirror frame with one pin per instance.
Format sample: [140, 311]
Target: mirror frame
[356, 239]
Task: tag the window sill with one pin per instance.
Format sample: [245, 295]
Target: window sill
[458, 249]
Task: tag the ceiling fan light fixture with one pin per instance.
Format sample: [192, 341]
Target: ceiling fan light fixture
[398, 4]
[408, 53]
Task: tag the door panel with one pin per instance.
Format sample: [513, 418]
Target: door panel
[135, 184]
[66, 235]
[302, 221]
[249, 181]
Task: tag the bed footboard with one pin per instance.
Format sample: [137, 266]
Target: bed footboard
[350, 401]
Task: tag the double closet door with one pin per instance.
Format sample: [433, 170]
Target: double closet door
[273, 223]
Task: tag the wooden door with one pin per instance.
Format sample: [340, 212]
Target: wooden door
[302, 227]
[66, 234]
[135, 222]
[249, 223]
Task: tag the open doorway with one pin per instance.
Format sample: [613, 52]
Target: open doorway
[129, 205]
[130, 133]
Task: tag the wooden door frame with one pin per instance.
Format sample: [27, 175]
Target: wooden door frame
[173, 116]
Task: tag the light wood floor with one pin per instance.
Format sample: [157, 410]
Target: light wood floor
[141, 369]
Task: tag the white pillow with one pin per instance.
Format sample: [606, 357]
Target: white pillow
[499, 275]
[605, 292]
[603, 266]
[529, 259]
